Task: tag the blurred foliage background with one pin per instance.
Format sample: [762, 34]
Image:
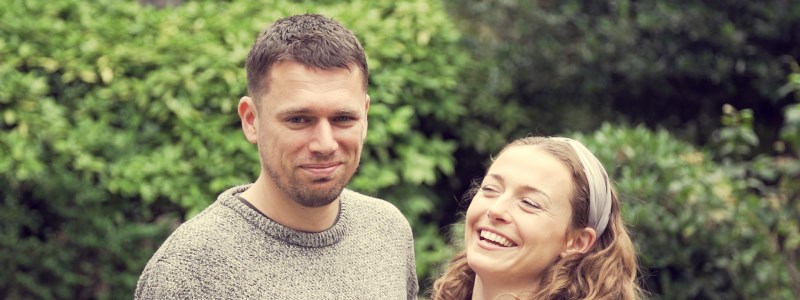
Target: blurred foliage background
[118, 123]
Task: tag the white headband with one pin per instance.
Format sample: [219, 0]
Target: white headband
[599, 187]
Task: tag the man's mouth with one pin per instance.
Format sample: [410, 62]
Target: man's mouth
[322, 170]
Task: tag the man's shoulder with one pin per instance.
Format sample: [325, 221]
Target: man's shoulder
[369, 210]
[204, 234]
[359, 200]
[215, 221]
[198, 249]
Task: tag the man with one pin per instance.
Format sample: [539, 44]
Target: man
[296, 233]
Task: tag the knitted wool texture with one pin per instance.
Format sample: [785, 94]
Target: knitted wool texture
[230, 251]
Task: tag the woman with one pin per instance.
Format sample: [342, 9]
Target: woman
[543, 224]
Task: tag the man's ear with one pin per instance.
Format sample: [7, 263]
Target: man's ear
[366, 119]
[580, 241]
[249, 116]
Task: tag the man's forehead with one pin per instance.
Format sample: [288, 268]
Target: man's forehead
[307, 110]
[279, 67]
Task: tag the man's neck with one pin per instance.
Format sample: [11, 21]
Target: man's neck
[265, 196]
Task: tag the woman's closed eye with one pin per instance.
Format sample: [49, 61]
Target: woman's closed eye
[490, 190]
[530, 204]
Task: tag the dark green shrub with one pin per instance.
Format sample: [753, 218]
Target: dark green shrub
[574, 64]
[770, 179]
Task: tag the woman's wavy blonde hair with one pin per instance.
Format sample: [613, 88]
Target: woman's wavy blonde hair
[607, 271]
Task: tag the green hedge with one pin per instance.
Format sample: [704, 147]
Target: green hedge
[698, 230]
[118, 122]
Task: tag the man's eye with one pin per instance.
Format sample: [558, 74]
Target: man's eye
[342, 119]
[296, 120]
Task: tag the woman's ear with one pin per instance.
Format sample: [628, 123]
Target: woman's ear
[580, 241]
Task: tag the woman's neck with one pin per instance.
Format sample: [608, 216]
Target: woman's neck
[500, 289]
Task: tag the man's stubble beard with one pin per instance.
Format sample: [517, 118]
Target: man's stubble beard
[305, 195]
[302, 194]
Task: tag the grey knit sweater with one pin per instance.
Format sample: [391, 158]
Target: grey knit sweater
[231, 251]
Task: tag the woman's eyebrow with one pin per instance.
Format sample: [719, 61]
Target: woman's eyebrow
[526, 188]
[532, 189]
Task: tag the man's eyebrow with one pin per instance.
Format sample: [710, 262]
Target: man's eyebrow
[347, 111]
[293, 111]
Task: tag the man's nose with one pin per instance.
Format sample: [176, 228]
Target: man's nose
[323, 141]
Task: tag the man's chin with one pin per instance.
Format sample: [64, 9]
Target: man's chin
[316, 201]
[317, 195]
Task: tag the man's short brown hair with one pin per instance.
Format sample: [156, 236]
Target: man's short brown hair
[310, 39]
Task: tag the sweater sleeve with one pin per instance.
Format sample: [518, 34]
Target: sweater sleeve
[164, 280]
[412, 281]
[413, 285]
[167, 279]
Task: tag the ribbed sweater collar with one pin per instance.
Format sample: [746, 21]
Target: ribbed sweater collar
[277, 231]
